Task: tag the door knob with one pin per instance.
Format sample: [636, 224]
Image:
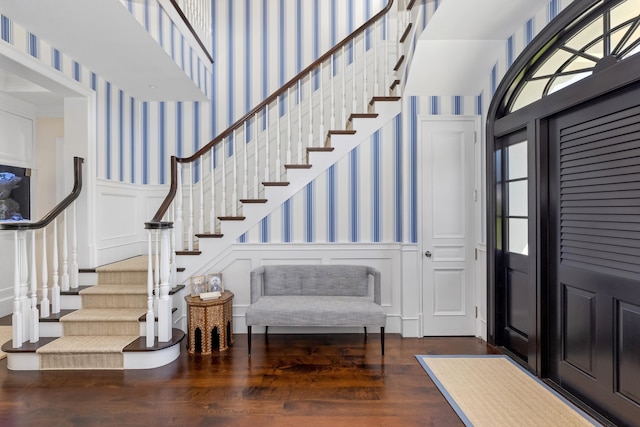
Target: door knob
[427, 254]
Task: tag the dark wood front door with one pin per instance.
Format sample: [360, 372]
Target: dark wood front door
[594, 272]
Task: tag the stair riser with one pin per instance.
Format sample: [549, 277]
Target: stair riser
[114, 301]
[132, 278]
[101, 328]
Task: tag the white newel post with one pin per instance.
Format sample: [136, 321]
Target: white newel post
[16, 318]
[178, 224]
[255, 156]
[150, 318]
[34, 333]
[223, 179]
[164, 303]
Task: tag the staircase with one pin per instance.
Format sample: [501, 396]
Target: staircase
[288, 140]
[105, 332]
[125, 320]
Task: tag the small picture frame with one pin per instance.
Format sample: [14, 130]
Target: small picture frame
[215, 283]
[199, 285]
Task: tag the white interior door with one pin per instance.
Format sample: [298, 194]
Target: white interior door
[448, 209]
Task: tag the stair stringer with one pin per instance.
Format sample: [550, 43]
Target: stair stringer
[210, 249]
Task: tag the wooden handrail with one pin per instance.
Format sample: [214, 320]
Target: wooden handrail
[192, 30]
[58, 209]
[318, 62]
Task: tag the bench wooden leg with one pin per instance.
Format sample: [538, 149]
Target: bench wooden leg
[249, 339]
[382, 339]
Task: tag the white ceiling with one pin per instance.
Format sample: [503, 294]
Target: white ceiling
[103, 36]
[462, 41]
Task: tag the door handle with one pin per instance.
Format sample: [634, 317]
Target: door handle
[427, 254]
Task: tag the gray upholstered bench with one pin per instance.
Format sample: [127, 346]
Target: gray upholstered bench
[315, 295]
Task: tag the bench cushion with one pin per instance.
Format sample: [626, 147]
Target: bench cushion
[321, 280]
[302, 310]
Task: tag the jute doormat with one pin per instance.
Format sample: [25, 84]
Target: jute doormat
[494, 391]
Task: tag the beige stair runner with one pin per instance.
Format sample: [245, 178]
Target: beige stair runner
[94, 336]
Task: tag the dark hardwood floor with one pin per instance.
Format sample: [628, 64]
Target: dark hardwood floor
[290, 380]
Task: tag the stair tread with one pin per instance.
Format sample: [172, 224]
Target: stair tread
[137, 263]
[82, 344]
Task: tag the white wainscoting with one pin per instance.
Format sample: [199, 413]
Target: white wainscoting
[122, 209]
[237, 263]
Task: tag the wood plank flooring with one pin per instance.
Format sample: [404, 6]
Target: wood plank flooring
[289, 380]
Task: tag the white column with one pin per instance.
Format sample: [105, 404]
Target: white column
[310, 143]
[300, 121]
[288, 113]
[156, 274]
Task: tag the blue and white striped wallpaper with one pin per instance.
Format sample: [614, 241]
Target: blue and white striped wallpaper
[258, 45]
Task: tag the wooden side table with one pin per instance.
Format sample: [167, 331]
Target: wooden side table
[206, 316]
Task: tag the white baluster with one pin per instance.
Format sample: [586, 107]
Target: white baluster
[234, 193]
[16, 318]
[374, 36]
[321, 125]
[223, 179]
[300, 121]
[164, 303]
[34, 333]
[55, 290]
[256, 178]
[150, 318]
[65, 254]
[353, 77]
[245, 180]
[74, 249]
[333, 98]
[288, 113]
[44, 303]
[267, 171]
[387, 69]
[310, 144]
[277, 166]
[201, 185]
[365, 93]
[178, 224]
[190, 229]
[212, 212]
[343, 116]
